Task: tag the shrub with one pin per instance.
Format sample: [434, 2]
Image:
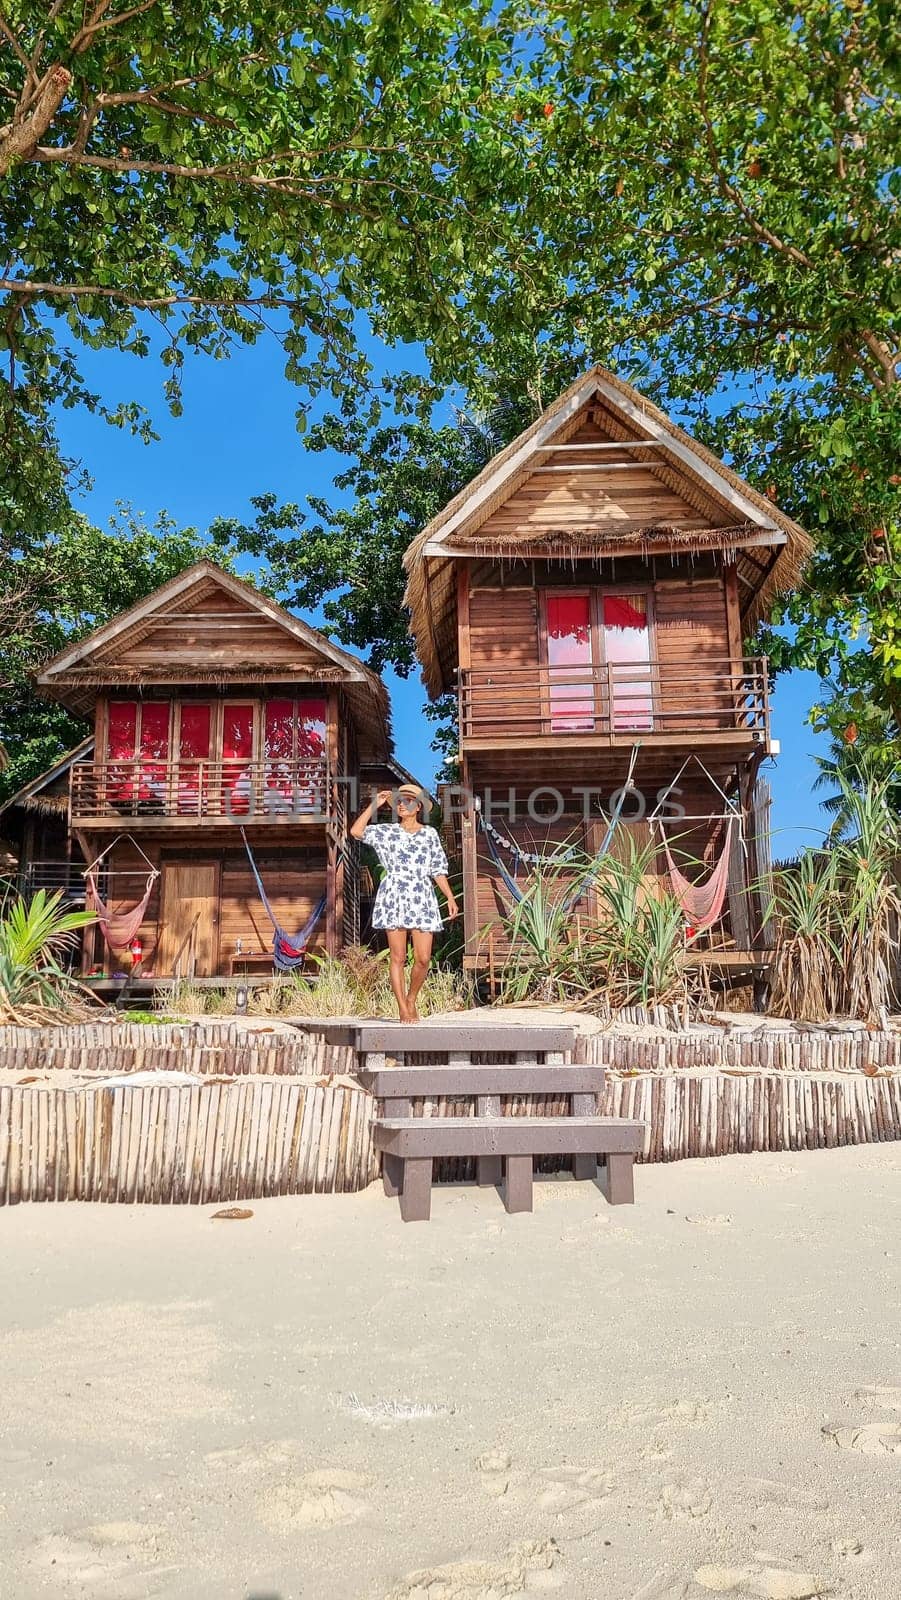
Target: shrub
[34, 987]
[835, 914]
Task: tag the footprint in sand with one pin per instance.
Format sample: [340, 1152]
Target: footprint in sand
[683, 1498]
[288, 1499]
[879, 1397]
[663, 1586]
[868, 1438]
[770, 1583]
[325, 1499]
[720, 1219]
[569, 1496]
[526, 1568]
[494, 1472]
[790, 1496]
[108, 1561]
[688, 1413]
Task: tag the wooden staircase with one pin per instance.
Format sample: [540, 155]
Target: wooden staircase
[492, 1068]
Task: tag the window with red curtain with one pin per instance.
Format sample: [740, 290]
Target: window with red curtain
[627, 650]
[278, 746]
[311, 729]
[570, 658]
[121, 730]
[294, 739]
[195, 721]
[121, 744]
[237, 754]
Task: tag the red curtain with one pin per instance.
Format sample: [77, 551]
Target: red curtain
[194, 732]
[620, 611]
[569, 621]
[237, 751]
[311, 728]
[237, 733]
[193, 752]
[122, 730]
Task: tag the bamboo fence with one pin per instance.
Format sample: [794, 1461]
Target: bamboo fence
[270, 1114]
[184, 1143]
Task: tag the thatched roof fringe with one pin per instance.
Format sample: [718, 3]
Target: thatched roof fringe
[235, 672]
[46, 805]
[706, 481]
[583, 541]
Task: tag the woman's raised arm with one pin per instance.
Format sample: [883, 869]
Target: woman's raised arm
[359, 827]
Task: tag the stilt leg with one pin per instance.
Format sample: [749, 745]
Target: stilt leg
[518, 1185]
[585, 1166]
[416, 1194]
[392, 1174]
[620, 1188]
[489, 1170]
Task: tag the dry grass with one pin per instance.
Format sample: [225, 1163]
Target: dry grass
[354, 984]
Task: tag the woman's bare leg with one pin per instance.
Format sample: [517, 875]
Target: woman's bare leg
[422, 955]
[397, 947]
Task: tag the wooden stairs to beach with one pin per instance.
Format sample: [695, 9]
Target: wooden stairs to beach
[409, 1069]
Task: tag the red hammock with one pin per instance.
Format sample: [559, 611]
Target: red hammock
[702, 903]
[118, 927]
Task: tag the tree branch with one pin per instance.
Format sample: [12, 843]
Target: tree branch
[726, 188]
[99, 21]
[29, 288]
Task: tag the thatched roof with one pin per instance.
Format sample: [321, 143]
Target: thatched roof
[181, 634]
[48, 794]
[703, 506]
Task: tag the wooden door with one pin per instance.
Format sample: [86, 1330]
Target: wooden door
[189, 920]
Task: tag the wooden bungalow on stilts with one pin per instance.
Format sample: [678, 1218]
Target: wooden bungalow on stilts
[228, 736]
[587, 595]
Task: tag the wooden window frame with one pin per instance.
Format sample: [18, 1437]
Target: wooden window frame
[596, 594]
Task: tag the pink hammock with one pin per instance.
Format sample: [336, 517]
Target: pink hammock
[702, 903]
[118, 927]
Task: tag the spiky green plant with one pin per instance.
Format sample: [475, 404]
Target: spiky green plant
[836, 914]
[638, 941]
[630, 950]
[537, 930]
[34, 934]
[805, 977]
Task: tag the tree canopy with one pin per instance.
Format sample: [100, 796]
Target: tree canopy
[703, 195]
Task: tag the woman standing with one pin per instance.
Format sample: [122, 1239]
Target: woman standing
[412, 856]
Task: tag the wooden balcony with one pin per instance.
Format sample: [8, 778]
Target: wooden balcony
[192, 793]
[505, 707]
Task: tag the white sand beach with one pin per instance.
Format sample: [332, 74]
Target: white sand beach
[698, 1395]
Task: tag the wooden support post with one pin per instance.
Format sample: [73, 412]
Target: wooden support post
[747, 783]
[416, 1192]
[585, 1105]
[620, 1185]
[518, 1184]
[489, 1169]
[469, 850]
[392, 1174]
[331, 891]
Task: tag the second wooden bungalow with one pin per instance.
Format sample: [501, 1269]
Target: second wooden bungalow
[587, 596]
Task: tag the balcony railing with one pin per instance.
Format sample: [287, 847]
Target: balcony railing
[228, 790]
[615, 701]
[62, 877]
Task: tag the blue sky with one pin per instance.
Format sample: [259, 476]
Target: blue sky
[237, 438]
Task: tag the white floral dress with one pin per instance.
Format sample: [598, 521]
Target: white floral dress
[405, 897]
